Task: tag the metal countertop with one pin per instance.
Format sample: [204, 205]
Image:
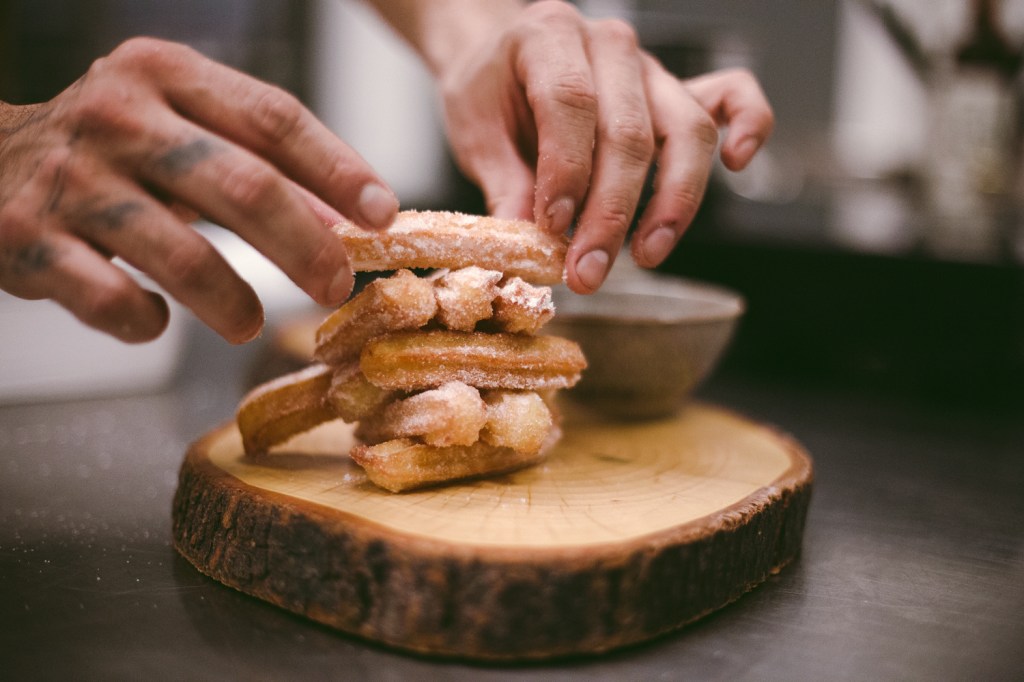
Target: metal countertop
[913, 561]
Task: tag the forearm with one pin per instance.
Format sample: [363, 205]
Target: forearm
[440, 30]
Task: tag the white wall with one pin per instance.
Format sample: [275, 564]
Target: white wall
[371, 89]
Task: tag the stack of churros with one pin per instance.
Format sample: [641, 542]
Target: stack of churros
[445, 375]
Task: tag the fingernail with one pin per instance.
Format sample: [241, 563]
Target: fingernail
[377, 206]
[592, 268]
[658, 245]
[255, 328]
[560, 215]
[341, 287]
[252, 334]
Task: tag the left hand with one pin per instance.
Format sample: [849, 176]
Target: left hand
[559, 118]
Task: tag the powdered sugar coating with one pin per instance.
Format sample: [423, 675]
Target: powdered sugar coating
[438, 239]
[465, 296]
[520, 307]
[451, 414]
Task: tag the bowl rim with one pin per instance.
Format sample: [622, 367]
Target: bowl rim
[730, 304]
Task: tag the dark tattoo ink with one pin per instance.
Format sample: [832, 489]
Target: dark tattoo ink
[184, 158]
[32, 259]
[111, 217]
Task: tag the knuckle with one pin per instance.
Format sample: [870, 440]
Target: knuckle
[617, 32]
[632, 136]
[743, 76]
[686, 198]
[616, 214]
[109, 111]
[572, 164]
[251, 187]
[276, 114]
[148, 53]
[552, 10]
[571, 90]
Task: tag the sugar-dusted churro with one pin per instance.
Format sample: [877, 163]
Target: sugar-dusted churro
[402, 301]
[403, 464]
[451, 414]
[465, 296]
[520, 307]
[284, 407]
[434, 239]
[426, 359]
[352, 396]
[519, 420]
[444, 376]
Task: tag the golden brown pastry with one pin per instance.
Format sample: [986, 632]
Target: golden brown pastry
[402, 301]
[284, 407]
[426, 359]
[451, 414]
[403, 464]
[522, 308]
[437, 239]
[465, 297]
[520, 420]
[444, 375]
[352, 396]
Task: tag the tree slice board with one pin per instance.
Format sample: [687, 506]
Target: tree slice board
[627, 531]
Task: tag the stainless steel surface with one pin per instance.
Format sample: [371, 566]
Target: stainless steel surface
[913, 564]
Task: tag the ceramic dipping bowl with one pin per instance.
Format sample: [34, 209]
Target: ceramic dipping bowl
[650, 340]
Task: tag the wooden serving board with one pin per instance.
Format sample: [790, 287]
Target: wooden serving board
[627, 531]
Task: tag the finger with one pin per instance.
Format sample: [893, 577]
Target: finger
[39, 259]
[183, 213]
[622, 156]
[553, 67]
[145, 234]
[94, 290]
[506, 180]
[735, 99]
[244, 193]
[687, 139]
[327, 215]
[273, 123]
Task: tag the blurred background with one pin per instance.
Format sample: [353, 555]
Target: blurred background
[879, 239]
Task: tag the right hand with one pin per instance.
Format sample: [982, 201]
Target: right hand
[561, 119]
[151, 136]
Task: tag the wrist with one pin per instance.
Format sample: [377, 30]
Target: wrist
[442, 31]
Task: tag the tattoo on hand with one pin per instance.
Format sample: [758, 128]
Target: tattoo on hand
[111, 217]
[30, 259]
[183, 158]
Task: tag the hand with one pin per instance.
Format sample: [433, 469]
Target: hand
[152, 136]
[558, 117]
